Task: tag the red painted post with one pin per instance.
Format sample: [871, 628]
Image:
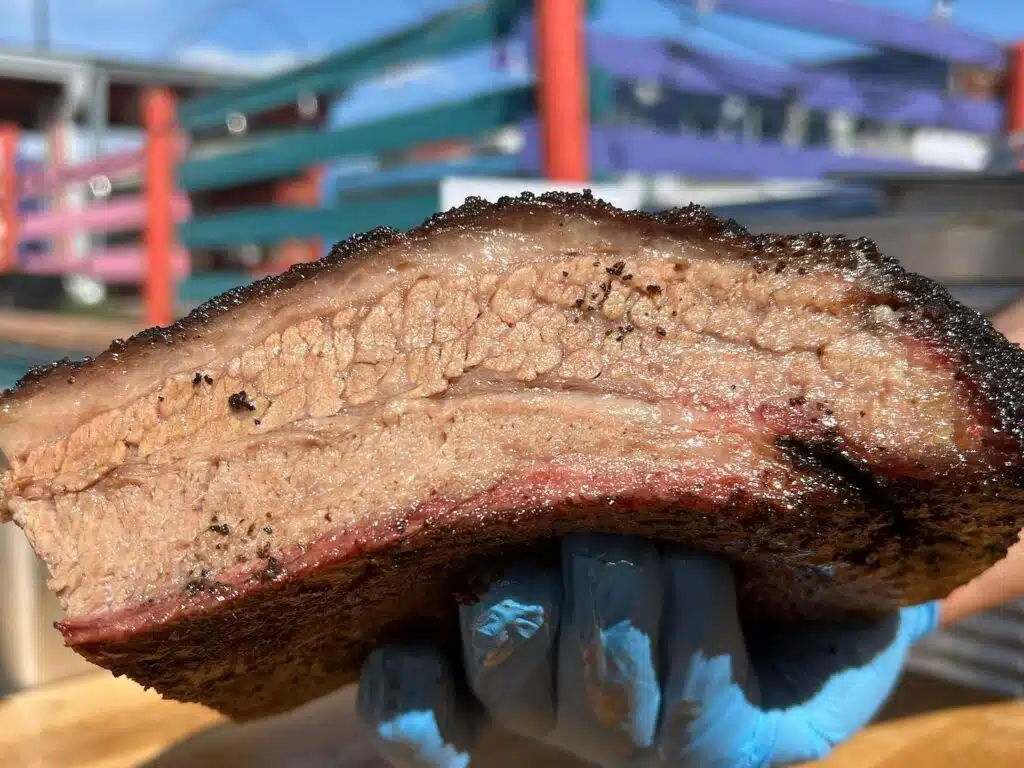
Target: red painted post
[1013, 102]
[9, 234]
[1015, 89]
[562, 89]
[160, 126]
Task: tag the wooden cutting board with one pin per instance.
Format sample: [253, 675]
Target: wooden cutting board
[97, 721]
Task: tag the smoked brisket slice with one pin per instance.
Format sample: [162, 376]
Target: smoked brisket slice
[236, 508]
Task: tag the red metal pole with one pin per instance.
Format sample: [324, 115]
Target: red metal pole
[1013, 105]
[562, 89]
[159, 122]
[9, 229]
[1015, 90]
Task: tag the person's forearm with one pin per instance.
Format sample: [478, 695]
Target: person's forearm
[1010, 321]
[1003, 581]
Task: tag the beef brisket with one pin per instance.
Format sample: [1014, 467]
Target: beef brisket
[236, 508]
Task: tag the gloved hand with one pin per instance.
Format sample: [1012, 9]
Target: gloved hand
[630, 657]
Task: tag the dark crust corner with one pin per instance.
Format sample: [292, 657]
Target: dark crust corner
[994, 366]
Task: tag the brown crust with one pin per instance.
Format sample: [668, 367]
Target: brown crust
[302, 628]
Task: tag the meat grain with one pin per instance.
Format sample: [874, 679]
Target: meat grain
[236, 508]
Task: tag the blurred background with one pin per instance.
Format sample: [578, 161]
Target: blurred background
[155, 153]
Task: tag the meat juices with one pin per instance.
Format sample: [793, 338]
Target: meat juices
[236, 509]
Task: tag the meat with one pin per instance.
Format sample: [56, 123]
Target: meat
[235, 509]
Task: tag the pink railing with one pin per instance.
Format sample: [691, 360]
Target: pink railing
[126, 264]
[120, 214]
[48, 180]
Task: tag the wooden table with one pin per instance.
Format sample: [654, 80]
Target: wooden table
[96, 721]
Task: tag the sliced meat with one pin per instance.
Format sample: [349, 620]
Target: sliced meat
[235, 509]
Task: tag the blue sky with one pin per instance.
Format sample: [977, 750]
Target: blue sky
[150, 28]
[253, 34]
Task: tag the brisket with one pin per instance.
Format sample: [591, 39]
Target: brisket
[234, 510]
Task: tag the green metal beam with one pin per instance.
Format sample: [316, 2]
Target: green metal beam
[273, 224]
[297, 152]
[203, 286]
[258, 226]
[442, 35]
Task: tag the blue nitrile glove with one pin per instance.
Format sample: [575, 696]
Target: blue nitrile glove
[633, 658]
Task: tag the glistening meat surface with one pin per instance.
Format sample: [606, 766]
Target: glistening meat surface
[235, 509]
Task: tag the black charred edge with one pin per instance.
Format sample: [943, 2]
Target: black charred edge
[994, 365]
[826, 458]
[39, 373]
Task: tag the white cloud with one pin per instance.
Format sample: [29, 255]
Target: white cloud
[223, 59]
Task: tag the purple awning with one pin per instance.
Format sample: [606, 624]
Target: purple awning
[870, 25]
[702, 72]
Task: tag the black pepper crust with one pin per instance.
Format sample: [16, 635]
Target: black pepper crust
[995, 367]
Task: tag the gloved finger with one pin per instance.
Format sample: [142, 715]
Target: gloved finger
[824, 683]
[919, 621]
[407, 698]
[709, 715]
[508, 645]
[607, 688]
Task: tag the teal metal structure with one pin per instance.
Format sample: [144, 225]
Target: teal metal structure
[477, 24]
[444, 35]
[406, 195]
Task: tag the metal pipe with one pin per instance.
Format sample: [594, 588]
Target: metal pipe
[99, 110]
